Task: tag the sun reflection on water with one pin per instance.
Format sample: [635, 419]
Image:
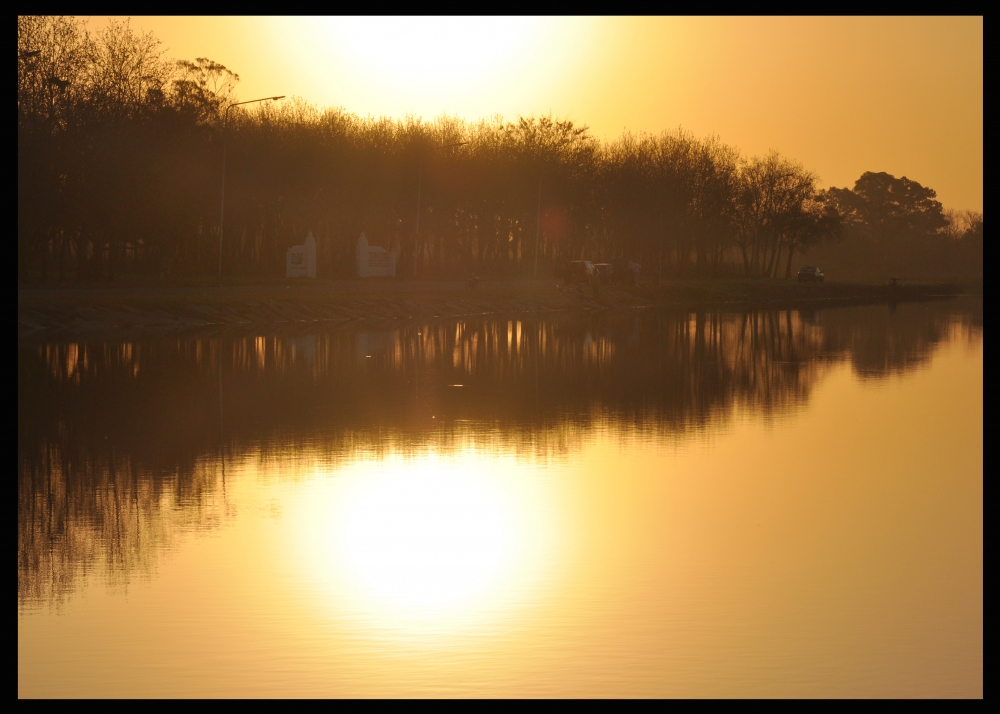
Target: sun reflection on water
[430, 543]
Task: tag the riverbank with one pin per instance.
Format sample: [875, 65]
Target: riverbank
[165, 307]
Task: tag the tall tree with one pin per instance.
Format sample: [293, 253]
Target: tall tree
[894, 213]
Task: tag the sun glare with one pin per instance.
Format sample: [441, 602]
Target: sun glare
[439, 50]
[428, 66]
[428, 542]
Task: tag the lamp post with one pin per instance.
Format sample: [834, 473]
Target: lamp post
[420, 180]
[222, 206]
[538, 223]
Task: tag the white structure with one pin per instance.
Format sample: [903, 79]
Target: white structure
[374, 261]
[634, 268]
[300, 260]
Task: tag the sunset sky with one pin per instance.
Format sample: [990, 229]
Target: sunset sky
[840, 95]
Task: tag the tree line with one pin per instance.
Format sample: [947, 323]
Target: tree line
[120, 154]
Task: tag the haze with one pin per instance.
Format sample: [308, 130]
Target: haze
[841, 95]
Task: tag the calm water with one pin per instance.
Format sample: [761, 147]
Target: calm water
[711, 504]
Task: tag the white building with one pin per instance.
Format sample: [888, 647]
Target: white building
[300, 260]
[373, 261]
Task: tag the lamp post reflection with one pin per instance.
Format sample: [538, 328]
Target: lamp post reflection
[222, 429]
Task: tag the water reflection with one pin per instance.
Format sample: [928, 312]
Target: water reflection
[121, 445]
[426, 545]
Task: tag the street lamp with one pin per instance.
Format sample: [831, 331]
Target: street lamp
[222, 207]
[420, 180]
[538, 223]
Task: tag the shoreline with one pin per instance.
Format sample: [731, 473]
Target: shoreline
[53, 311]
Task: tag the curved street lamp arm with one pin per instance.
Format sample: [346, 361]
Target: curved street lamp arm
[222, 201]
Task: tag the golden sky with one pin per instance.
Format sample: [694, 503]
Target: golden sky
[840, 95]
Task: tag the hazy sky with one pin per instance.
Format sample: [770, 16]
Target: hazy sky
[840, 95]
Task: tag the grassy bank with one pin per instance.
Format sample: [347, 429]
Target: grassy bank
[130, 307]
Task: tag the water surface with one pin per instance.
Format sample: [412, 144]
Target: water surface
[771, 503]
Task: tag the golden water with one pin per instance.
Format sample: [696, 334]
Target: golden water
[759, 504]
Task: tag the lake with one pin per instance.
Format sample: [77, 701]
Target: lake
[783, 503]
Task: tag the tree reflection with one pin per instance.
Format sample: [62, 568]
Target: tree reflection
[119, 443]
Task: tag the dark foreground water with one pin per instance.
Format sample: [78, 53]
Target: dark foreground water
[711, 504]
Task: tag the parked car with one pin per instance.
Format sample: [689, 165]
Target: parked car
[810, 274]
[606, 272]
[618, 270]
[620, 267]
[581, 271]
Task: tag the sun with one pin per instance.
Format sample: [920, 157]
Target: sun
[434, 51]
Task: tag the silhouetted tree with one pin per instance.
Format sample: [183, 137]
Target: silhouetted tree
[816, 219]
[895, 214]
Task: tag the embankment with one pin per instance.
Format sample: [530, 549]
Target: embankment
[84, 310]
